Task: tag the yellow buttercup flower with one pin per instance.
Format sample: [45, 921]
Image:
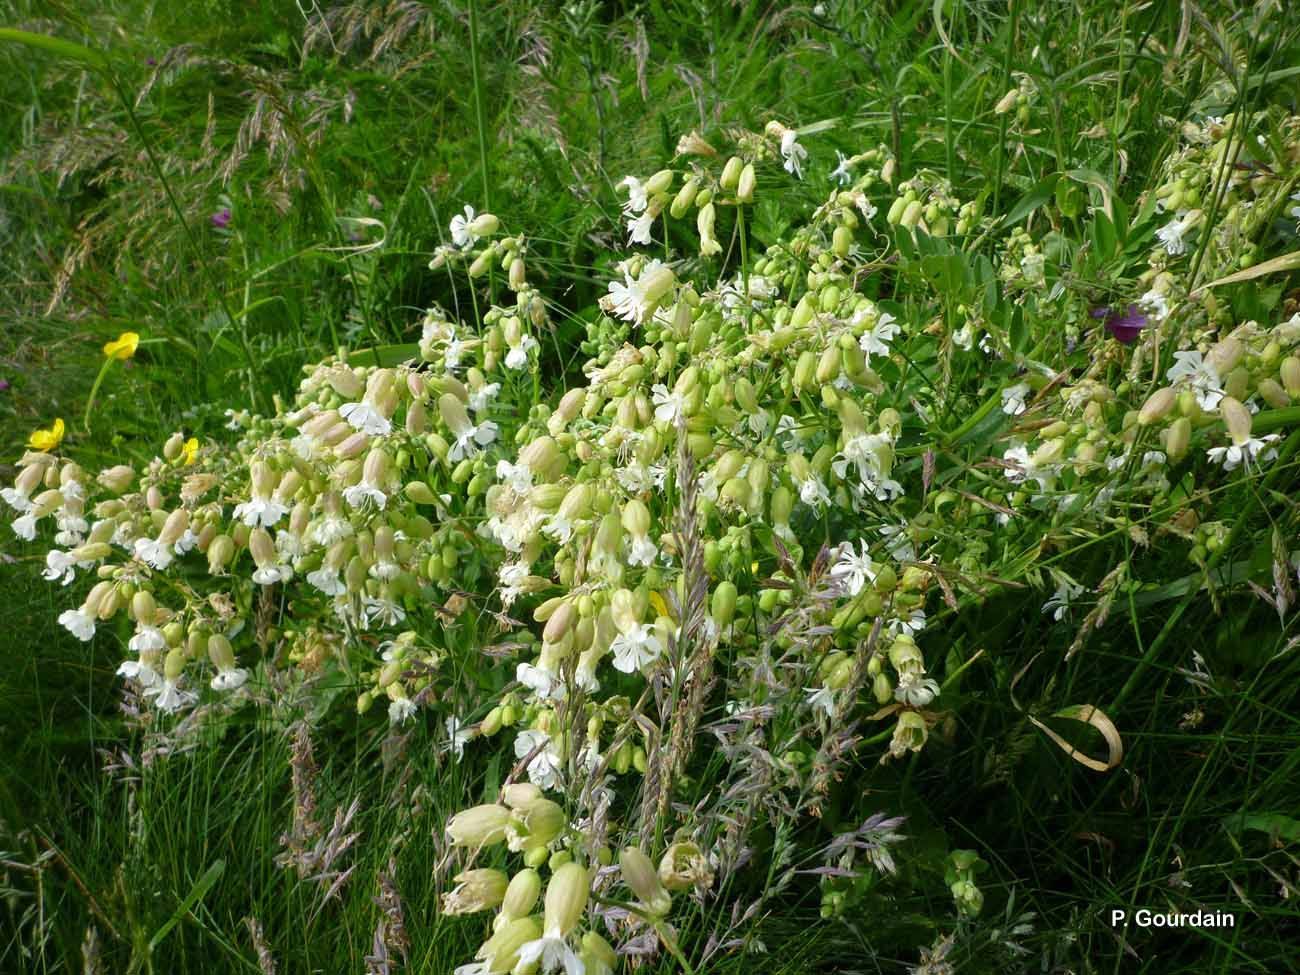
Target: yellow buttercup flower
[46, 440]
[189, 450]
[123, 347]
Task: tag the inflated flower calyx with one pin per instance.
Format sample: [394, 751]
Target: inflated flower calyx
[476, 890]
[483, 825]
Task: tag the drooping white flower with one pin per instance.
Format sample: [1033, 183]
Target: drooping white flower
[79, 623]
[24, 526]
[260, 512]
[365, 418]
[154, 553]
[909, 625]
[639, 228]
[546, 685]
[146, 638]
[140, 672]
[875, 341]
[854, 570]
[1253, 450]
[229, 679]
[841, 172]
[365, 493]
[269, 575]
[813, 492]
[462, 234]
[1171, 235]
[402, 709]
[517, 357]
[637, 648]
[458, 735]
[1155, 304]
[642, 551]
[793, 154]
[637, 200]
[481, 398]
[821, 699]
[1191, 369]
[382, 610]
[545, 769]
[471, 440]
[915, 690]
[552, 953]
[170, 698]
[669, 404]
[1013, 399]
[59, 565]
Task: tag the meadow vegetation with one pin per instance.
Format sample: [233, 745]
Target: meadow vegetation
[666, 487]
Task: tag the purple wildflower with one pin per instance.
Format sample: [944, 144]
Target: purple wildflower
[1124, 325]
[4, 385]
[221, 219]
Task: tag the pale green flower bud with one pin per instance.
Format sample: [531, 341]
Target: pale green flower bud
[730, 177]
[659, 182]
[1158, 405]
[1178, 438]
[480, 826]
[598, 956]
[636, 518]
[143, 607]
[1289, 371]
[910, 734]
[501, 951]
[745, 185]
[1237, 419]
[174, 527]
[560, 622]
[220, 652]
[566, 899]
[704, 223]
[1271, 391]
[684, 198]
[484, 225]
[641, 878]
[116, 479]
[521, 896]
[261, 547]
[220, 552]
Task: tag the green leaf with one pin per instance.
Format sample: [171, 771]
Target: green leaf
[56, 46]
[1274, 824]
[201, 887]
[1042, 191]
[385, 355]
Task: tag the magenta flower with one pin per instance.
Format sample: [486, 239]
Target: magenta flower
[1125, 325]
[221, 219]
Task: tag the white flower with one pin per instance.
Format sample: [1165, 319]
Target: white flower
[269, 575]
[59, 565]
[813, 492]
[854, 570]
[146, 638]
[512, 576]
[471, 440]
[24, 527]
[1022, 468]
[544, 684]
[16, 499]
[169, 697]
[78, 623]
[794, 154]
[875, 341]
[634, 301]
[327, 581]
[642, 551]
[461, 233]
[897, 543]
[402, 709]
[188, 541]
[1251, 451]
[331, 529]
[516, 476]
[1154, 304]
[636, 649]
[910, 625]
[552, 953]
[364, 418]
[481, 398]
[668, 405]
[1013, 399]
[383, 611]
[139, 672]
[841, 172]
[1200, 375]
[636, 195]
[1059, 604]
[153, 553]
[821, 699]
[231, 679]
[915, 690]
[517, 357]
[559, 528]
[260, 512]
[1171, 235]
[639, 228]
[545, 768]
[458, 734]
[365, 492]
